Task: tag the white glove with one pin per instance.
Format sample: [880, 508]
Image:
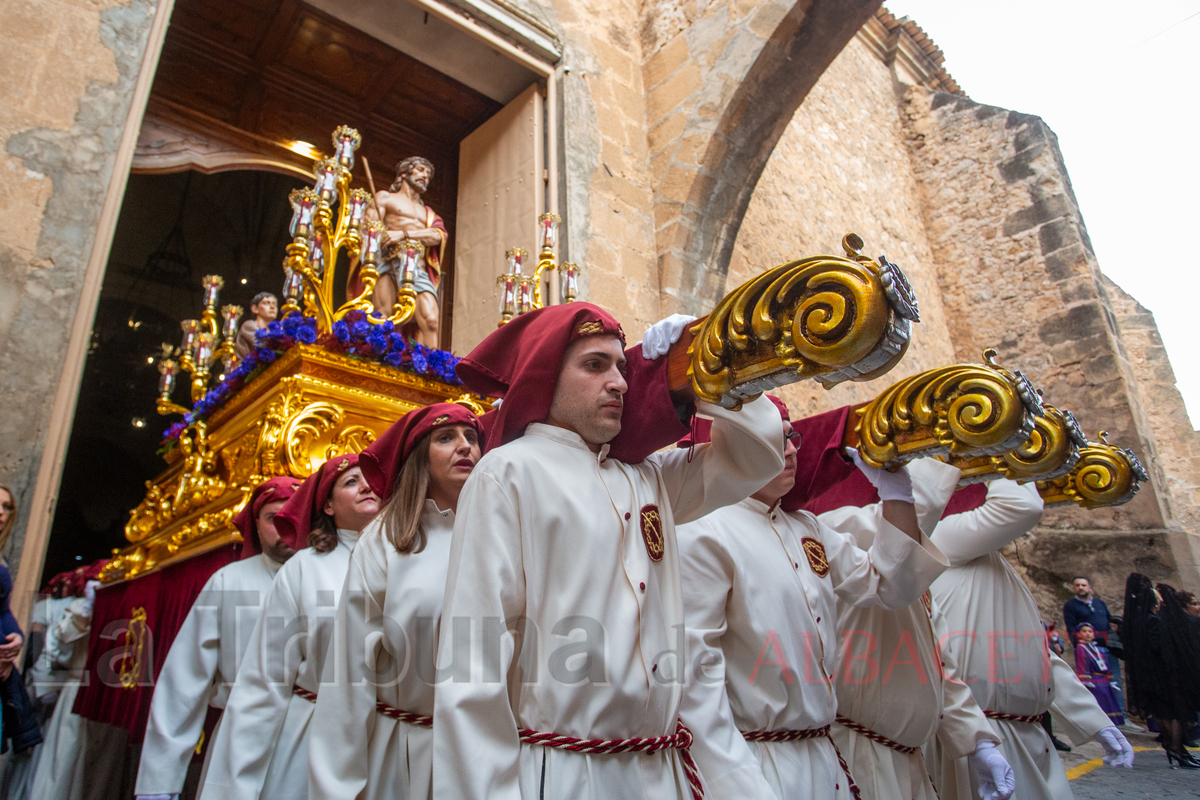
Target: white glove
[89, 591]
[662, 334]
[1118, 751]
[996, 779]
[891, 485]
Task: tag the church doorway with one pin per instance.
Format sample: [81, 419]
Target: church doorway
[246, 94]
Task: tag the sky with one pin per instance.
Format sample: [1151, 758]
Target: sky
[1117, 82]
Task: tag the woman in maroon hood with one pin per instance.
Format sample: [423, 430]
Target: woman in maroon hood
[397, 576]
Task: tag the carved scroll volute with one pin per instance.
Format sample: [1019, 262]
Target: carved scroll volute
[965, 410]
[824, 317]
[1106, 475]
[301, 433]
[1051, 450]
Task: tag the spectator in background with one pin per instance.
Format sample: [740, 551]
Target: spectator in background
[1086, 607]
[1093, 671]
[1161, 653]
[19, 726]
[1191, 607]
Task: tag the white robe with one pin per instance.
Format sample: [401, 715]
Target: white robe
[44, 677]
[60, 772]
[386, 651]
[200, 669]
[261, 749]
[997, 639]
[44, 680]
[550, 537]
[897, 683]
[761, 610]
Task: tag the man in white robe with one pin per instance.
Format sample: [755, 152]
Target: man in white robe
[761, 588]
[203, 660]
[997, 639]
[60, 771]
[896, 689]
[563, 620]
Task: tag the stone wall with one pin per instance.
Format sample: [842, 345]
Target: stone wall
[607, 203]
[842, 166]
[69, 69]
[1017, 272]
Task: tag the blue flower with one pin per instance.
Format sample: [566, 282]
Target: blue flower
[394, 359]
[378, 341]
[306, 334]
[360, 328]
[341, 330]
[396, 342]
[387, 326]
[290, 324]
[419, 358]
[264, 356]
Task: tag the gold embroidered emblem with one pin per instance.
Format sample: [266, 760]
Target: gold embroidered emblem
[814, 551]
[442, 420]
[130, 671]
[652, 532]
[341, 467]
[927, 601]
[589, 328]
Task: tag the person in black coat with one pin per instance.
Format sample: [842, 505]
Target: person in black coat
[1162, 652]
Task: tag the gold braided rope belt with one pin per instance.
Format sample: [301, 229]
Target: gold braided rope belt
[681, 740]
[863, 730]
[420, 720]
[797, 735]
[1000, 715]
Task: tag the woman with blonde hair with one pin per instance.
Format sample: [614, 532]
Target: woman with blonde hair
[10, 629]
[261, 749]
[372, 730]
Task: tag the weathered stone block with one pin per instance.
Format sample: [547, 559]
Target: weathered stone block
[1041, 211]
[1074, 324]
[672, 92]
[665, 62]
[1058, 234]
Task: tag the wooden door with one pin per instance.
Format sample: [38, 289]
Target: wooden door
[501, 192]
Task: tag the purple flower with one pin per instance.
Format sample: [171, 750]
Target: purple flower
[396, 342]
[360, 328]
[264, 356]
[394, 359]
[356, 316]
[341, 330]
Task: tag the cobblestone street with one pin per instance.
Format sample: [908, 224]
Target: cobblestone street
[1149, 778]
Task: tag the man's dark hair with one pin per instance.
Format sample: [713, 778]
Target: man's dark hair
[1082, 578]
[258, 298]
[406, 166]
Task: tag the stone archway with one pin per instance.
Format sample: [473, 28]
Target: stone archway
[720, 95]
